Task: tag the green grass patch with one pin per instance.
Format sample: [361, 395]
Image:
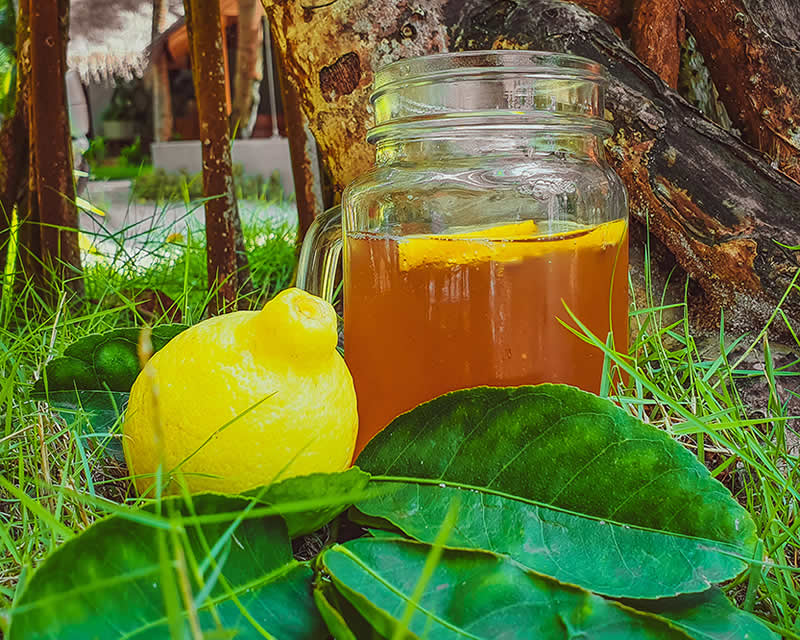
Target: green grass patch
[163, 186]
[119, 172]
[728, 399]
[175, 265]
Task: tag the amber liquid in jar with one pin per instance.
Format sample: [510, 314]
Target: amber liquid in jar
[429, 314]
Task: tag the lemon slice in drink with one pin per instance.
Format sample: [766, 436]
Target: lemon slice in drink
[502, 243]
[464, 247]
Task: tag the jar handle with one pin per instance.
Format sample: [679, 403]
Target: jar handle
[320, 253]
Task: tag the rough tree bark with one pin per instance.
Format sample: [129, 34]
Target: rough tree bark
[656, 36]
[51, 143]
[332, 79]
[751, 48]
[714, 202]
[223, 227]
[249, 65]
[612, 11]
[162, 97]
[302, 150]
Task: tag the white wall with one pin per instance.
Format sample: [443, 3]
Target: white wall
[99, 99]
[257, 155]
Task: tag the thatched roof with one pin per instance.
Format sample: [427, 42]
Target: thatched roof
[111, 37]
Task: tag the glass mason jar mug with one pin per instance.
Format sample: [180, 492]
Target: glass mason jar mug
[490, 213]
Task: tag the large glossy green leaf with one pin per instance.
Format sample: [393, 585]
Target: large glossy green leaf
[340, 488]
[340, 616]
[566, 483]
[606, 558]
[108, 581]
[475, 594]
[337, 626]
[708, 616]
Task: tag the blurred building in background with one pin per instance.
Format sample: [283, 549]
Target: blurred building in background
[114, 55]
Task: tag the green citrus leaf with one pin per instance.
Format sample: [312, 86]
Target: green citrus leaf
[84, 347]
[116, 364]
[341, 612]
[111, 357]
[95, 375]
[333, 619]
[69, 373]
[708, 616]
[607, 558]
[346, 486]
[109, 582]
[162, 334]
[567, 484]
[102, 409]
[475, 594]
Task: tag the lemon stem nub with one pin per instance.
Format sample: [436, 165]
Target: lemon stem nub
[298, 323]
[309, 308]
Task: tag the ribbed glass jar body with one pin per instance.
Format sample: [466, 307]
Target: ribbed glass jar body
[490, 217]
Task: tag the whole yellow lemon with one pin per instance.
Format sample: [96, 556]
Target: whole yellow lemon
[240, 400]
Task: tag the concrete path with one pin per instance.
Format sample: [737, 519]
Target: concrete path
[140, 231]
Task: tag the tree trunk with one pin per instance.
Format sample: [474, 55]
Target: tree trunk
[751, 48]
[333, 77]
[13, 147]
[249, 68]
[14, 136]
[656, 36]
[715, 203]
[303, 153]
[51, 142]
[611, 11]
[222, 214]
[162, 97]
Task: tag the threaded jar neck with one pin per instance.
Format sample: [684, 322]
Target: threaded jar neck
[486, 91]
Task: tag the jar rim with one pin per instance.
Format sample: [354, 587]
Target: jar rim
[491, 124]
[439, 67]
[498, 88]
